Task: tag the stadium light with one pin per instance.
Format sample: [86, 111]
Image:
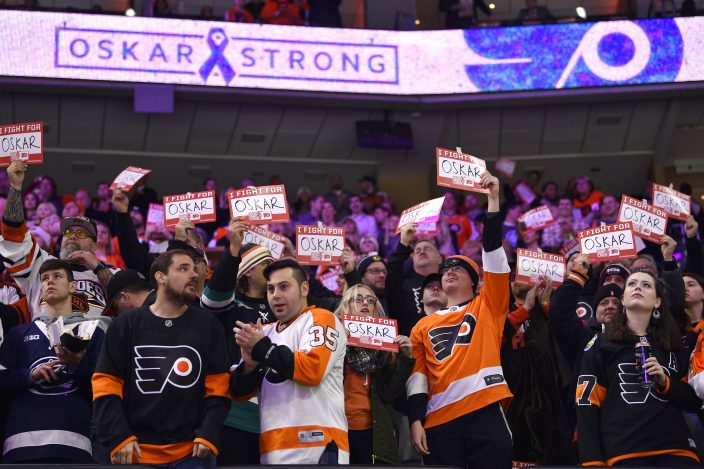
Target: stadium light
[130, 12]
[581, 12]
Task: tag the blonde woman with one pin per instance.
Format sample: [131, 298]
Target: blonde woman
[373, 379]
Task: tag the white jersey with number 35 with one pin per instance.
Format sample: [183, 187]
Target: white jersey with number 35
[301, 416]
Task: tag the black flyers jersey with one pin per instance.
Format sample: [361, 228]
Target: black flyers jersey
[162, 381]
[618, 418]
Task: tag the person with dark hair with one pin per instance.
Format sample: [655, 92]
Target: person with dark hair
[237, 292]
[127, 289]
[23, 257]
[47, 383]
[405, 293]
[457, 384]
[587, 199]
[281, 12]
[630, 412]
[550, 194]
[296, 363]
[170, 355]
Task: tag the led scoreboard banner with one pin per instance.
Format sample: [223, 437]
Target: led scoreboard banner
[205, 53]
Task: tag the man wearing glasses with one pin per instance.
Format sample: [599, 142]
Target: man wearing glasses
[23, 257]
[457, 384]
[372, 271]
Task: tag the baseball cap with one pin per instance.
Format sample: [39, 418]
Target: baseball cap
[121, 280]
[364, 263]
[429, 279]
[84, 222]
[614, 269]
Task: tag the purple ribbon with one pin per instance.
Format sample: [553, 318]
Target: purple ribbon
[217, 41]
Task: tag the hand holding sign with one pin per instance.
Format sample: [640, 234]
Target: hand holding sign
[16, 172]
[691, 227]
[120, 201]
[490, 183]
[407, 232]
[182, 228]
[236, 231]
[667, 246]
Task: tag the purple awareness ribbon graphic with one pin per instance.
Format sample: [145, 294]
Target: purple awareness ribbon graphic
[217, 40]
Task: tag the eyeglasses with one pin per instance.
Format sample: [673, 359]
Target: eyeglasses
[80, 234]
[361, 299]
[454, 268]
[422, 250]
[376, 271]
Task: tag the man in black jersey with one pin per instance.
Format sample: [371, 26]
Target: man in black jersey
[160, 389]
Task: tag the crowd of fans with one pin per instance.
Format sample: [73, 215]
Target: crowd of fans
[190, 318]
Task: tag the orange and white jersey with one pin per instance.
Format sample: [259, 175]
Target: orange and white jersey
[696, 364]
[300, 416]
[457, 350]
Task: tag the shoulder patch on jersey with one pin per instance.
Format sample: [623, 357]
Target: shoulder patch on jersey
[590, 343]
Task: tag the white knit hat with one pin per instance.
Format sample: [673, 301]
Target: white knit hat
[252, 255]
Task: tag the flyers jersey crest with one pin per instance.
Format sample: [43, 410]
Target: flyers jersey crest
[444, 338]
[159, 365]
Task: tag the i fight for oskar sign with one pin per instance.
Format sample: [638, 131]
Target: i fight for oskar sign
[218, 58]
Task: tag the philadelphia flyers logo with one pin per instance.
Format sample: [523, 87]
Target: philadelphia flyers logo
[158, 365]
[443, 339]
[584, 310]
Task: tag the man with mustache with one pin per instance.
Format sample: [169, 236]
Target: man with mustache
[161, 386]
[23, 257]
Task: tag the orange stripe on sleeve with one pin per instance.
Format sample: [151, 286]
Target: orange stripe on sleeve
[217, 385]
[208, 444]
[14, 234]
[121, 445]
[27, 262]
[105, 384]
[663, 390]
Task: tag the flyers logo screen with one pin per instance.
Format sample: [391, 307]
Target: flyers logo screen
[444, 338]
[158, 366]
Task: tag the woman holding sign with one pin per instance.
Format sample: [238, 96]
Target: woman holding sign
[373, 378]
[630, 396]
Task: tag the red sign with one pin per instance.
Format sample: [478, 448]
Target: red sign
[128, 178]
[524, 192]
[505, 166]
[371, 332]
[260, 205]
[155, 215]
[319, 245]
[23, 142]
[531, 265]
[676, 204]
[197, 207]
[265, 238]
[608, 242]
[424, 213]
[460, 171]
[648, 222]
[537, 218]
[569, 248]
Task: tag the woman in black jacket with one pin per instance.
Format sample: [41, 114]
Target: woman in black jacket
[623, 421]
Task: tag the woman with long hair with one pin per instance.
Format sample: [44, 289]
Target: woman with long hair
[629, 409]
[104, 248]
[373, 379]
